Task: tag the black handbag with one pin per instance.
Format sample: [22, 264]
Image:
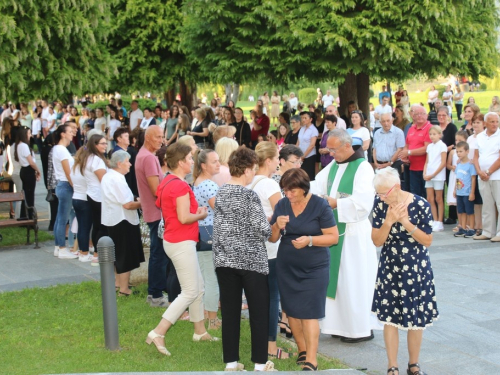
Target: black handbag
[206, 233]
[50, 195]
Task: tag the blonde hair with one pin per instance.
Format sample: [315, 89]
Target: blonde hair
[224, 148]
[437, 129]
[223, 131]
[265, 150]
[184, 140]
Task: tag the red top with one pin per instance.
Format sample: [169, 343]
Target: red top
[263, 122]
[398, 96]
[416, 138]
[168, 191]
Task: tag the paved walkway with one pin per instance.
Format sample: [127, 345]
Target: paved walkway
[463, 341]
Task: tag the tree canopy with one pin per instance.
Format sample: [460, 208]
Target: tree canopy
[54, 48]
[286, 40]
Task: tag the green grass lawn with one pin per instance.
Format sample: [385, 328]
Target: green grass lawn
[60, 330]
[17, 236]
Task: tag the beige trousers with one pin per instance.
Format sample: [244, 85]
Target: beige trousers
[490, 192]
[183, 255]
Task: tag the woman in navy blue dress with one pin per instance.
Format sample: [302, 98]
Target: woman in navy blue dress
[307, 228]
[404, 295]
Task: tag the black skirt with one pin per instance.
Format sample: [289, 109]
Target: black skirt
[128, 246]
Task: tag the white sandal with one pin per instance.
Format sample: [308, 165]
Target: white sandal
[150, 339]
[197, 337]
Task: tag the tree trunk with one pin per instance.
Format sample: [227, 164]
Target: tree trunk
[183, 90]
[193, 89]
[347, 91]
[390, 93]
[169, 96]
[228, 90]
[363, 94]
[236, 93]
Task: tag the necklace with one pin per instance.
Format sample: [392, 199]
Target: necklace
[406, 198]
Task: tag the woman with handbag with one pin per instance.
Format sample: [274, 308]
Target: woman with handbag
[206, 166]
[181, 213]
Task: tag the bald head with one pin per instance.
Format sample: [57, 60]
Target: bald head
[331, 110]
[386, 121]
[153, 138]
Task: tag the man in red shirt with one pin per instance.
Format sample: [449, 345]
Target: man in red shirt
[260, 125]
[415, 150]
[399, 94]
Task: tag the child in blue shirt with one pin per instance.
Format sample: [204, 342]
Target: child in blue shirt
[464, 191]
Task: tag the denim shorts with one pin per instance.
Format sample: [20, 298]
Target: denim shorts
[464, 205]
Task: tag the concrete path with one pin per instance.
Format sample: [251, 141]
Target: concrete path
[463, 341]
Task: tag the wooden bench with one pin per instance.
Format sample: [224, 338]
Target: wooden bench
[29, 223]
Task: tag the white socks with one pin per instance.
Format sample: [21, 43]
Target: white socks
[259, 367]
[232, 365]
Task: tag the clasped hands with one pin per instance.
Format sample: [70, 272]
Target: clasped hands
[397, 213]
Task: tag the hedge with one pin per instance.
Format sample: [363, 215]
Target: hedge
[307, 96]
[143, 103]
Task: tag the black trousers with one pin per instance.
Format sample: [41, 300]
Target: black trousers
[98, 230]
[309, 166]
[28, 177]
[231, 284]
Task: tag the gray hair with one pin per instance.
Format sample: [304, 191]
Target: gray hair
[92, 132]
[295, 118]
[443, 109]
[489, 114]
[118, 157]
[341, 135]
[387, 176]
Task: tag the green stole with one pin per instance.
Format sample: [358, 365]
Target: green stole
[345, 189]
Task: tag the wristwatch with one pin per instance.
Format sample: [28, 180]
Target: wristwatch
[409, 152]
[390, 162]
[487, 172]
[310, 241]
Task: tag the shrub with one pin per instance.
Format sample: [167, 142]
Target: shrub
[483, 86]
[143, 103]
[307, 95]
[372, 93]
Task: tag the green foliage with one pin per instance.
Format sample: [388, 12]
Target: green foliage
[143, 103]
[483, 86]
[322, 40]
[372, 94]
[492, 83]
[145, 42]
[54, 48]
[307, 95]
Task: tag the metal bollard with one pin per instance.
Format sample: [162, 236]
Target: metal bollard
[106, 252]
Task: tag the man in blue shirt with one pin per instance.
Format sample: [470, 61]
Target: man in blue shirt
[387, 143]
[384, 94]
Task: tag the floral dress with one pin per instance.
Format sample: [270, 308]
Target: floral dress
[404, 290]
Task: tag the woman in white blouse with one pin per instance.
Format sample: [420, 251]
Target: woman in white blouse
[100, 122]
[359, 130]
[94, 168]
[119, 215]
[114, 124]
[62, 162]
[29, 173]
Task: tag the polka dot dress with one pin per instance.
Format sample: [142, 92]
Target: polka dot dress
[404, 291]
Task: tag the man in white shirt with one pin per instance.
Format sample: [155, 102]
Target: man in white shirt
[135, 115]
[487, 164]
[6, 112]
[328, 99]
[148, 119]
[379, 110]
[332, 110]
[294, 102]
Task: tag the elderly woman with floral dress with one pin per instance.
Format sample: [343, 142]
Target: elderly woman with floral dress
[404, 295]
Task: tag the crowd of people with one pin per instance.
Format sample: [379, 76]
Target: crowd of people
[283, 222]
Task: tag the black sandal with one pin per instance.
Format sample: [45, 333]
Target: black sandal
[301, 358]
[392, 369]
[308, 366]
[418, 372]
[287, 330]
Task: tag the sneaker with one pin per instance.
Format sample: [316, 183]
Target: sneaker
[56, 251]
[437, 227]
[65, 254]
[470, 233]
[75, 252]
[158, 302]
[461, 232]
[482, 237]
[95, 261]
[85, 258]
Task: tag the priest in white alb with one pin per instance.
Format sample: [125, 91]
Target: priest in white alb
[347, 184]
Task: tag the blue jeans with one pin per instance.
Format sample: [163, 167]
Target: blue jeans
[417, 183]
[274, 300]
[158, 261]
[83, 212]
[71, 235]
[64, 193]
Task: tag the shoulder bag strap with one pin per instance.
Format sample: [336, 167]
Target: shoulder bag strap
[256, 182]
